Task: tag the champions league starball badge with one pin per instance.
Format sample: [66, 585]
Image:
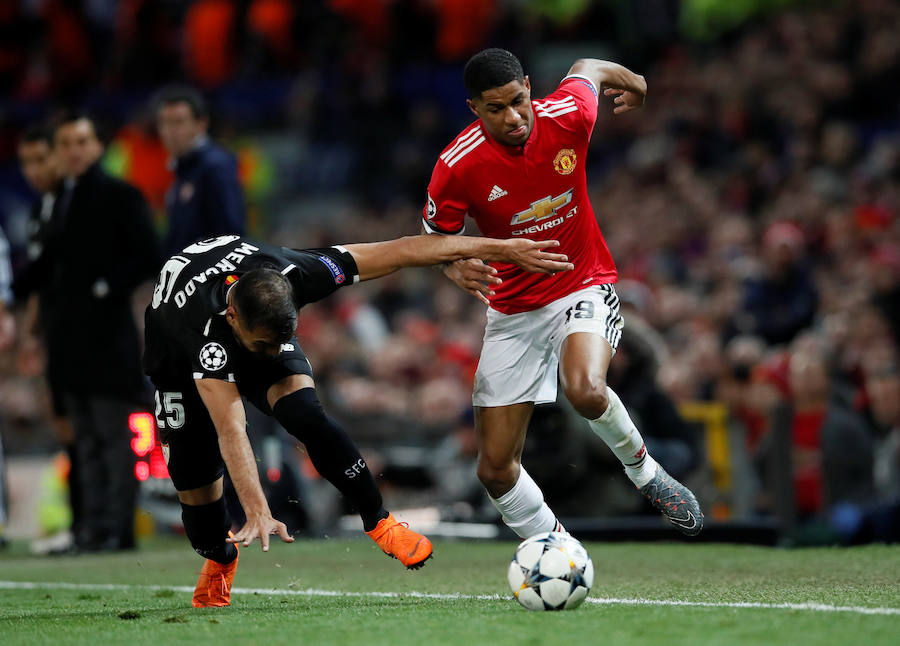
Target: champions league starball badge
[213, 356]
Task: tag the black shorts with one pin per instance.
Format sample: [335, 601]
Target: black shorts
[186, 431]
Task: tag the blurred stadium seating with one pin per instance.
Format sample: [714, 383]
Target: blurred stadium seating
[766, 161]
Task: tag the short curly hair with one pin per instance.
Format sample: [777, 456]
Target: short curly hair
[491, 68]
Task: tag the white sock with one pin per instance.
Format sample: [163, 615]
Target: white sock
[615, 428]
[523, 508]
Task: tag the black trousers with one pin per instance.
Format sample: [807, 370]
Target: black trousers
[105, 470]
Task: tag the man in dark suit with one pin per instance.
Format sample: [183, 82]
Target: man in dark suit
[41, 170]
[100, 246]
[205, 200]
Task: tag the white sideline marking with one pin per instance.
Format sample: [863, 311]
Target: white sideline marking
[314, 592]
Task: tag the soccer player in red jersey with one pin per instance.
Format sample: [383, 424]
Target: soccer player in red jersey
[518, 170]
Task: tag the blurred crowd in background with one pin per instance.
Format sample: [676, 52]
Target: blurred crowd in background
[751, 207]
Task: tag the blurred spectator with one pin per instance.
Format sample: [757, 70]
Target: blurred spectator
[781, 299]
[7, 322]
[209, 48]
[205, 200]
[882, 522]
[791, 118]
[7, 331]
[818, 452]
[100, 246]
[884, 266]
[883, 390]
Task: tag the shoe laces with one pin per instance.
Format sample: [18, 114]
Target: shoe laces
[665, 494]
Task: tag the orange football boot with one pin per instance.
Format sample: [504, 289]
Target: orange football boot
[398, 541]
[214, 585]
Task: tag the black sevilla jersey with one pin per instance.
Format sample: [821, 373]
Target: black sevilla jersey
[186, 333]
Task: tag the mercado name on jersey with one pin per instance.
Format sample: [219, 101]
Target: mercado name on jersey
[537, 191]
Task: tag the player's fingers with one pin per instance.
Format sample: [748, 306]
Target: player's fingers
[612, 91]
[479, 276]
[480, 287]
[237, 538]
[283, 533]
[550, 267]
[479, 270]
[264, 541]
[543, 244]
[558, 257]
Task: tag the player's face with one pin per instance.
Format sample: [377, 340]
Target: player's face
[38, 165]
[178, 127]
[506, 112]
[77, 147]
[258, 341]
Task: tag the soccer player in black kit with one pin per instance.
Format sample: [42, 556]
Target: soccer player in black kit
[221, 324]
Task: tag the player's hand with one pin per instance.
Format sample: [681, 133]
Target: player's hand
[530, 256]
[261, 526]
[624, 100]
[473, 276]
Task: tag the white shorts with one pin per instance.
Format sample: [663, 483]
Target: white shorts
[520, 356]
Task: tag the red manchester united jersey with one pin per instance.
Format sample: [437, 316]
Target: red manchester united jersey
[537, 191]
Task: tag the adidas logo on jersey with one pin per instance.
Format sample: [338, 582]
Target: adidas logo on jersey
[496, 193]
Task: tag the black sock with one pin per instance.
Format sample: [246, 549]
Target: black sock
[333, 453]
[207, 528]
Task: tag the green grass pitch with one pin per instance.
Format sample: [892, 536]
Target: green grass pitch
[347, 592]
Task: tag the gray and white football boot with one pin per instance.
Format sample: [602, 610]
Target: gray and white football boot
[676, 502]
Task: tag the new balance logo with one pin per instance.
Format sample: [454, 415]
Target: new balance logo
[496, 193]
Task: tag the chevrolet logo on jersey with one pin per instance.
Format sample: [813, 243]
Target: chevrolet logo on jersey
[543, 208]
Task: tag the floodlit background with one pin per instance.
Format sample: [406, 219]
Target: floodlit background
[751, 207]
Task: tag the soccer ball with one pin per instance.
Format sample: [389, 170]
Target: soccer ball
[551, 571]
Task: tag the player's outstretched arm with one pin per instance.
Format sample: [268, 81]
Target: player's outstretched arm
[628, 88]
[224, 404]
[374, 259]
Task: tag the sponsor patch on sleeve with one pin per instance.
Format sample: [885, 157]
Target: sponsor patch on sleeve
[590, 86]
[213, 356]
[335, 270]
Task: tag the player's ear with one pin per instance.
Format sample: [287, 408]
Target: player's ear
[527, 84]
[472, 107]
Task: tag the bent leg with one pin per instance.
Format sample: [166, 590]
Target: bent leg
[332, 452]
[500, 432]
[206, 522]
[584, 360]
[583, 364]
[334, 455]
[207, 525]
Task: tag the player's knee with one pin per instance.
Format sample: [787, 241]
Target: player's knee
[588, 397]
[301, 413]
[497, 476]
